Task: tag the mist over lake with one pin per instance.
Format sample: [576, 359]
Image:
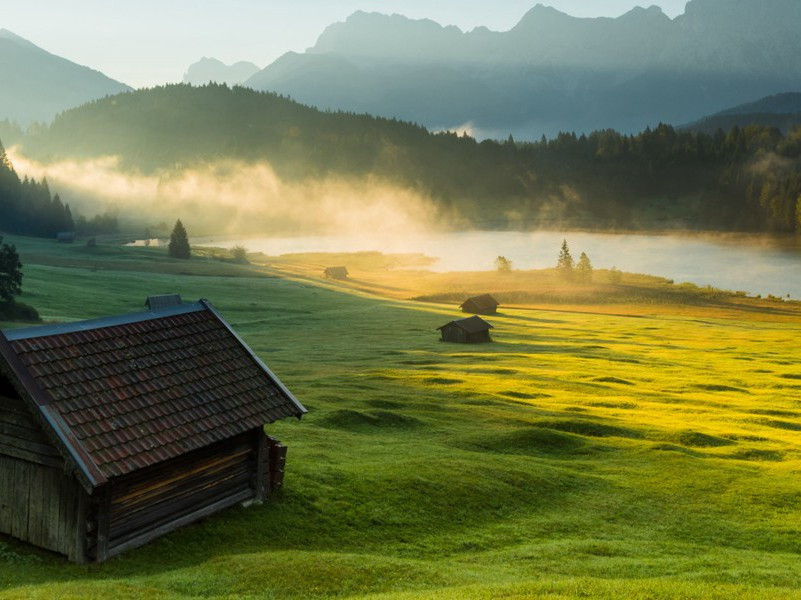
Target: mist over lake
[754, 264]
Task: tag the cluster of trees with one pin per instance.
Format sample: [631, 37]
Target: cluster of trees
[571, 270]
[568, 269]
[27, 207]
[744, 179]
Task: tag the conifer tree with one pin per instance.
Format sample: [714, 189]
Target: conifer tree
[10, 272]
[179, 242]
[584, 268]
[564, 265]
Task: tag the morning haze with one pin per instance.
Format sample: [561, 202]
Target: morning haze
[529, 274]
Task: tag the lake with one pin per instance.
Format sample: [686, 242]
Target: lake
[754, 264]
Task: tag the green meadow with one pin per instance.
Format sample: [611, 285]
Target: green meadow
[633, 450]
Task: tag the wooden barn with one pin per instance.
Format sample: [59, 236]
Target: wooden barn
[472, 330]
[118, 430]
[480, 305]
[336, 272]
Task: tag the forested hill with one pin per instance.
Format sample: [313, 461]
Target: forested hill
[744, 179]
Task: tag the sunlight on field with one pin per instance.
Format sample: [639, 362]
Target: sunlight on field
[651, 453]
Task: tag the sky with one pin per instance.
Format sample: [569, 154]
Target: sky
[151, 42]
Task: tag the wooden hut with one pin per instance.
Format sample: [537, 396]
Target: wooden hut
[336, 273]
[65, 237]
[472, 330]
[163, 301]
[118, 430]
[480, 305]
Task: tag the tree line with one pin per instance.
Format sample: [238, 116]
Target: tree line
[28, 207]
[745, 179]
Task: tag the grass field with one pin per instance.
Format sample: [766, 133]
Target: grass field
[620, 447]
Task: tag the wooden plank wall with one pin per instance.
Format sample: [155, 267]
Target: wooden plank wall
[155, 500]
[38, 501]
[21, 437]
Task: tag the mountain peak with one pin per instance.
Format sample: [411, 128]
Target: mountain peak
[650, 13]
[210, 69]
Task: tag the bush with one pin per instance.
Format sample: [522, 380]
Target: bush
[239, 254]
[11, 310]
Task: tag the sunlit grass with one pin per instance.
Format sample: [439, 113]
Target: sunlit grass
[647, 454]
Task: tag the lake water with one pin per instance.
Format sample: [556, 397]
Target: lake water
[754, 264]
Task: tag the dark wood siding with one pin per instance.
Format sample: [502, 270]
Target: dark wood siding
[22, 438]
[39, 502]
[153, 501]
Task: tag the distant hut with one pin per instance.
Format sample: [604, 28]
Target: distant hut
[472, 330]
[480, 305]
[336, 273]
[65, 237]
[118, 430]
[163, 301]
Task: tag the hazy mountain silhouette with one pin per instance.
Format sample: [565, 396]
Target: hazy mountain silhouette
[36, 85]
[782, 111]
[208, 70]
[551, 71]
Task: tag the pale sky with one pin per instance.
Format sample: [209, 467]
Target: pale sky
[150, 42]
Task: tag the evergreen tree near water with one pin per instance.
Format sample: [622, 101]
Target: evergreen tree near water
[179, 242]
[564, 265]
[584, 268]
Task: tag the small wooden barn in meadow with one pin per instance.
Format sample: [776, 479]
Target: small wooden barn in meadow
[115, 431]
[472, 330]
[480, 305]
[336, 272]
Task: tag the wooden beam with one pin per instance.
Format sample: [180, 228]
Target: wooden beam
[261, 458]
[103, 522]
[79, 551]
[180, 522]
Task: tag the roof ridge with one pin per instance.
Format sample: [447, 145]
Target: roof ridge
[37, 331]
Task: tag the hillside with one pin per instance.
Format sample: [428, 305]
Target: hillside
[659, 179]
[37, 85]
[551, 72]
[782, 111]
[642, 455]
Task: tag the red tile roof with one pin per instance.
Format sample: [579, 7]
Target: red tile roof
[124, 393]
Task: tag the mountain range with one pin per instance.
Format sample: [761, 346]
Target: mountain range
[551, 72]
[211, 70]
[36, 85]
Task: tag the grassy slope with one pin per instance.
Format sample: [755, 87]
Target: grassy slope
[580, 454]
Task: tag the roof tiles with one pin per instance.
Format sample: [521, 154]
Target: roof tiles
[150, 389]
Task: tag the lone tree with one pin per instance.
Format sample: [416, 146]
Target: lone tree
[179, 242]
[564, 265]
[10, 272]
[503, 264]
[584, 268]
